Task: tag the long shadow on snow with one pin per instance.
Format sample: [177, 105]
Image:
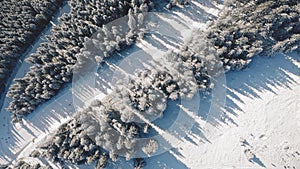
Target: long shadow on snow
[263, 74]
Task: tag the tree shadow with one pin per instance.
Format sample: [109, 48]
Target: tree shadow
[263, 75]
[257, 161]
[167, 160]
[194, 12]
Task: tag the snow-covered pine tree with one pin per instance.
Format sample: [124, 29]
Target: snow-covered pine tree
[65, 41]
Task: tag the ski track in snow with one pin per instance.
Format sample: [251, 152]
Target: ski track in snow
[262, 109]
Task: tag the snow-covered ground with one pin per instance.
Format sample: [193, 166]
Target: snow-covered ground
[260, 118]
[263, 102]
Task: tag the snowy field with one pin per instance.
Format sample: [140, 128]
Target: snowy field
[263, 102]
[257, 124]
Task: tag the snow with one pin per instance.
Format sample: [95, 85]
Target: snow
[263, 102]
[260, 116]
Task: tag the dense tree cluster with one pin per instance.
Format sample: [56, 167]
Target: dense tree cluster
[147, 93]
[111, 38]
[247, 28]
[21, 22]
[23, 164]
[54, 60]
[72, 144]
[112, 124]
[82, 139]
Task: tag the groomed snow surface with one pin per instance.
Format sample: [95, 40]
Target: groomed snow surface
[258, 126]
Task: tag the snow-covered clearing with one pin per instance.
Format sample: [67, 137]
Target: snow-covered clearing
[263, 102]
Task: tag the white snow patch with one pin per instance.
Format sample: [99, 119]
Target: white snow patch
[265, 101]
